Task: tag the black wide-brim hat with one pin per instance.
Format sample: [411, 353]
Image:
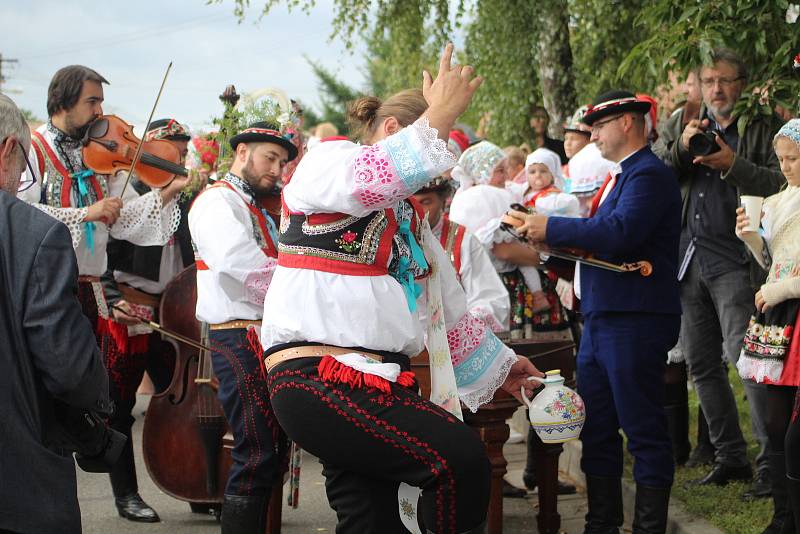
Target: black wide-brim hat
[264, 132]
[614, 103]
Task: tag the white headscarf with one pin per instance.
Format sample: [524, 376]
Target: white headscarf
[550, 160]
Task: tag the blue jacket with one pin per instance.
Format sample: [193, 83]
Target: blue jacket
[639, 220]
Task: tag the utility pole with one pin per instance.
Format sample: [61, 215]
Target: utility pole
[2, 62]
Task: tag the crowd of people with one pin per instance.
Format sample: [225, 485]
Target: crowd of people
[411, 234]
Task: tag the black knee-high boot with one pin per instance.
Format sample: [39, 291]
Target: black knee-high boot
[777, 471]
[792, 523]
[703, 454]
[676, 406]
[605, 505]
[650, 514]
[244, 515]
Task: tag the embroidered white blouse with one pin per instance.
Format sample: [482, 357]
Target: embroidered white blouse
[238, 274]
[487, 297]
[372, 311]
[144, 220]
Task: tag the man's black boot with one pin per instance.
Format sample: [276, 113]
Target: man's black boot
[650, 513]
[777, 469]
[605, 505]
[243, 515]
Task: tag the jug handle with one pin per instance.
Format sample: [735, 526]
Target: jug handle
[527, 402]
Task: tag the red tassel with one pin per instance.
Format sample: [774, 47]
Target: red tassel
[119, 332]
[406, 379]
[332, 370]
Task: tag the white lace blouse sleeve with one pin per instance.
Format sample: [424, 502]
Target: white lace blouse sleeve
[480, 360]
[487, 297]
[221, 230]
[143, 220]
[343, 177]
[30, 191]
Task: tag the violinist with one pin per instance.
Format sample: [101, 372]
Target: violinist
[235, 243]
[89, 204]
[138, 275]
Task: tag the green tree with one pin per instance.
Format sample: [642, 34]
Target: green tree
[682, 34]
[334, 96]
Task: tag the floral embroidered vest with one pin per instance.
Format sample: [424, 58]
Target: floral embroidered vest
[57, 188]
[374, 245]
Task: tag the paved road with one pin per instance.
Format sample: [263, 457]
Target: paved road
[313, 515]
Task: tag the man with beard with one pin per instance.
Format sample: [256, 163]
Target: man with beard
[718, 276]
[61, 185]
[235, 243]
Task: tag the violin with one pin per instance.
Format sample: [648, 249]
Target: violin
[110, 146]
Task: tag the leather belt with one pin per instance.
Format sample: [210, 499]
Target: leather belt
[239, 323]
[312, 351]
[137, 296]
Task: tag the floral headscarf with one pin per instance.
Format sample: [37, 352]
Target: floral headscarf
[476, 164]
[549, 159]
[791, 130]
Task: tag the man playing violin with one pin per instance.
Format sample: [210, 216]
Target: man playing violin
[93, 208]
[235, 243]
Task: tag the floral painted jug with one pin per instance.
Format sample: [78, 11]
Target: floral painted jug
[556, 413]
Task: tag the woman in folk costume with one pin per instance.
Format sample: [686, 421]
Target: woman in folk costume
[94, 207]
[771, 350]
[341, 321]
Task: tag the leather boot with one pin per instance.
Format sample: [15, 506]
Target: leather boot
[126, 489]
[133, 508]
[792, 523]
[777, 470]
[243, 515]
[605, 505]
[650, 514]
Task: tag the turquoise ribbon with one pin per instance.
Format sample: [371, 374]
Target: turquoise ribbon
[412, 289]
[83, 189]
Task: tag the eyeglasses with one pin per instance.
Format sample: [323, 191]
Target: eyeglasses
[23, 185]
[723, 82]
[598, 125]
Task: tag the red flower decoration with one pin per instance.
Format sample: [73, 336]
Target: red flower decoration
[796, 63]
[787, 332]
[349, 237]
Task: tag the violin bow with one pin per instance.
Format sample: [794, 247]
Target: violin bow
[158, 328]
[645, 268]
[138, 152]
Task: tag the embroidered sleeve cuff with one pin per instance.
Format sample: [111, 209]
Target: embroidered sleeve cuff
[71, 217]
[257, 282]
[480, 360]
[418, 154]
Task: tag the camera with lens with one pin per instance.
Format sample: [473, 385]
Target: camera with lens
[96, 446]
[704, 143]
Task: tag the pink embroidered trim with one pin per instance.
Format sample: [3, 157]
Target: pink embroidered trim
[488, 318]
[376, 180]
[257, 282]
[465, 338]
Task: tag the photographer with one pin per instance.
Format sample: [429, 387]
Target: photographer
[51, 375]
[715, 165]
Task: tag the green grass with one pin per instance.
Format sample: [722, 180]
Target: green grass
[721, 506]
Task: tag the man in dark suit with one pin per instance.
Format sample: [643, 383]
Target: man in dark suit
[48, 354]
[631, 320]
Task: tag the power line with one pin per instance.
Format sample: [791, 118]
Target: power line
[128, 37]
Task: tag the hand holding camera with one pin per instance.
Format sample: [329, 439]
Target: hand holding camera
[707, 146]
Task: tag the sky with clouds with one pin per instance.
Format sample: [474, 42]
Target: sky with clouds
[131, 43]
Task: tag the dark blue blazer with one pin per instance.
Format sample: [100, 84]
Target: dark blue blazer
[639, 220]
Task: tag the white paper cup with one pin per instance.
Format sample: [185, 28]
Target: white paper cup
[752, 208]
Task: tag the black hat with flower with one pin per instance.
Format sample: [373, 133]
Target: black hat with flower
[265, 132]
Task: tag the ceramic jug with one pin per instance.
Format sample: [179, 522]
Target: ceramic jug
[556, 413]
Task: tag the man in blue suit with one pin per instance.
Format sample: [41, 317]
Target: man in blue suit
[631, 320]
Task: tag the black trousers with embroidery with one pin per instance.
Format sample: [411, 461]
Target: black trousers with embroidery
[260, 447]
[369, 442]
